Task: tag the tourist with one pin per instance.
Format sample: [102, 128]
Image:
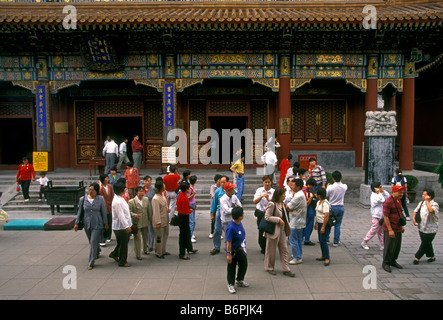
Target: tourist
[110, 152]
[184, 211]
[122, 154]
[297, 221]
[291, 172]
[285, 164]
[236, 250]
[149, 192]
[43, 181]
[132, 177]
[235, 158]
[335, 192]
[160, 219]
[121, 225]
[24, 176]
[92, 215]
[276, 213]
[192, 205]
[113, 176]
[239, 168]
[107, 193]
[393, 227]
[171, 181]
[426, 218]
[378, 197]
[321, 225]
[215, 216]
[311, 204]
[227, 202]
[270, 161]
[141, 215]
[318, 173]
[400, 180]
[214, 187]
[137, 151]
[261, 198]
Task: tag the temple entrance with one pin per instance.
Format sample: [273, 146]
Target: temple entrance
[218, 123]
[16, 140]
[119, 129]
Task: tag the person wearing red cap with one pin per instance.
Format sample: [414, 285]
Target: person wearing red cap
[24, 176]
[228, 202]
[393, 228]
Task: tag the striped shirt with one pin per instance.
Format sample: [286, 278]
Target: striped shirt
[319, 174]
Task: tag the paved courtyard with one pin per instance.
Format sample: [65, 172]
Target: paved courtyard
[32, 267]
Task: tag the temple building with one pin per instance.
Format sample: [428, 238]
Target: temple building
[73, 72]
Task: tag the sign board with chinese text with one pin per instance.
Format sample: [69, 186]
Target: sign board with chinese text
[169, 105]
[40, 161]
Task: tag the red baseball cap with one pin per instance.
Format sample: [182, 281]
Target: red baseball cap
[398, 188]
[229, 185]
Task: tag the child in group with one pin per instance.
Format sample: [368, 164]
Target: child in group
[236, 251]
[192, 205]
[43, 180]
[214, 187]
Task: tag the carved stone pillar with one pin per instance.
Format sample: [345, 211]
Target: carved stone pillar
[380, 132]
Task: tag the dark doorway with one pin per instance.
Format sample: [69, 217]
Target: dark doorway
[119, 129]
[16, 140]
[219, 123]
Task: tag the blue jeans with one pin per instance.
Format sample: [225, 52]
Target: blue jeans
[217, 231]
[323, 238]
[339, 212]
[240, 186]
[296, 242]
[310, 216]
[192, 218]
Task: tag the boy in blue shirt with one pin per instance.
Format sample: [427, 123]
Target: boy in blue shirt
[236, 250]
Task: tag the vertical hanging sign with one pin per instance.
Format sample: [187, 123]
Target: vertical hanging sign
[169, 105]
[42, 138]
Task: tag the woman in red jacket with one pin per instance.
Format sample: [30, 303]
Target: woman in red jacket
[24, 176]
[183, 209]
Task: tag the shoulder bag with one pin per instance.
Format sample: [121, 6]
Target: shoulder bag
[80, 224]
[332, 221]
[266, 226]
[418, 214]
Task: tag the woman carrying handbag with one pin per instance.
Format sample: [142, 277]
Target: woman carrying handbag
[275, 213]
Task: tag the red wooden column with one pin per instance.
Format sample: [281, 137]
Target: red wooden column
[406, 131]
[284, 108]
[372, 84]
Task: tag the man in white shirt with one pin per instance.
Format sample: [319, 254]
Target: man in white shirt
[121, 225]
[228, 202]
[110, 152]
[122, 154]
[261, 198]
[297, 220]
[336, 194]
[270, 161]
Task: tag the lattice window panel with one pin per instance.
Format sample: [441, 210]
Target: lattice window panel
[16, 109]
[339, 122]
[228, 107]
[120, 107]
[85, 119]
[324, 121]
[197, 112]
[153, 118]
[298, 124]
[259, 109]
[321, 121]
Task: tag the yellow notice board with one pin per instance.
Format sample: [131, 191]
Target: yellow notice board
[40, 161]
